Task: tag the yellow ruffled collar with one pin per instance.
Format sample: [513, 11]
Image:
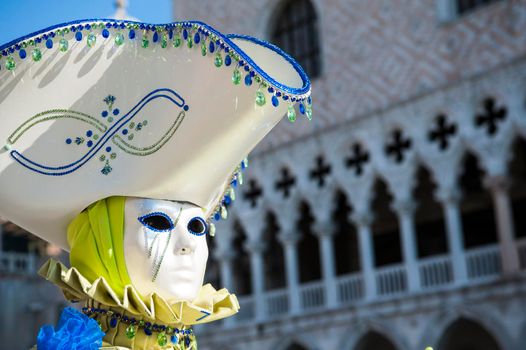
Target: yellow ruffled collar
[210, 304]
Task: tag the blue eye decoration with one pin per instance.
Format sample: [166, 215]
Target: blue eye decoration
[197, 226]
[157, 221]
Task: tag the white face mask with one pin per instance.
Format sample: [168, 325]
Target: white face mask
[165, 247]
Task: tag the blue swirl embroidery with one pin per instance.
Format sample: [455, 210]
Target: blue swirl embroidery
[96, 143]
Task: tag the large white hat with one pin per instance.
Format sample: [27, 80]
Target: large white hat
[96, 108]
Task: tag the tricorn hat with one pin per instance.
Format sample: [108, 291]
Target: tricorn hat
[96, 108]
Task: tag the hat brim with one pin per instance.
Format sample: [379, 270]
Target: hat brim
[127, 114]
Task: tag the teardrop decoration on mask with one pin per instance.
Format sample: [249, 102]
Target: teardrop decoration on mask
[162, 339]
[211, 229]
[260, 98]
[240, 178]
[291, 114]
[232, 194]
[131, 331]
[224, 212]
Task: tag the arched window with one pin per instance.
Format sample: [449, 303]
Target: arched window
[295, 31]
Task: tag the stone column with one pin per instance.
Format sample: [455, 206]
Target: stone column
[498, 186]
[405, 210]
[256, 249]
[325, 230]
[450, 199]
[224, 254]
[289, 240]
[363, 222]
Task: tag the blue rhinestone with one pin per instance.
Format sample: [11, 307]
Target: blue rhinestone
[285, 97]
[90, 143]
[252, 73]
[122, 25]
[105, 33]
[125, 131]
[108, 149]
[78, 36]
[197, 38]
[52, 34]
[309, 100]
[186, 107]
[11, 50]
[89, 133]
[116, 111]
[278, 93]
[4, 53]
[211, 47]
[131, 34]
[80, 27]
[115, 25]
[228, 200]
[45, 36]
[22, 53]
[271, 89]
[148, 331]
[185, 34]
[147, 324]
[217, 216]
[187, 341]
[108, 25]
[248, 80]
[68, 141]
[38, 40]
[17, 47]
[113, 322]
[293, 99]
[170, 34]
[104, 114]
[241, 62]
[228, 60]
[302, 108]
[174, 339]
[88, 27]
[155, 37]
[73, 28]
[247, 68]
[275, 101]
[142, 26]
[234, 183]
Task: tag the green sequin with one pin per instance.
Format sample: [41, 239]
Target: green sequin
[145, 42]
[164, 41]
[36, 54]
[236, 77]
[131, 331]
[291, 114]
[162, 339]
[260, 98]
[63, 45]
[218, 60]
[119, 39]
[91, 40]
[10, 63]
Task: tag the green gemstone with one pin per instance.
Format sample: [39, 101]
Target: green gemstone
[113, 155]
[63, 45]
[232, 194]
[218, 60]
[145, 42]
[102, 158]
[110, 119]
[96, 136]
[203, 48]
[308, 112]
[240, 178]
[141, 323]
[162, 339]
[260, 98]
[36, 54]
[131, 330]
[10, 63]
[257, 79]
[224, 212]
[119, 39]
[130, 137]
[236, 77]
[164, 41]
[91, 40]
[190, 42]
[177, 40]
[212, 230]
[291, 114]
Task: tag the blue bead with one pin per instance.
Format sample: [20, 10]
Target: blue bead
[122, 25]
[116, 111]
[155, 37]
[105, 33]
[38, 40]
[309, 100]
[275, 101]
[108, 25]
[115, 25]
[185, 34]
[211, 47]
[113, 322]
[125, 131]
[45, 36]
[252, 73]
[285, 97]
[78, 36]
[247, 68]
[187, 341]
[234, 183]
[197, 38]
[88, 27]
[271, 89]
[104, 114]
[278, 93]
[90, 143]
[131, 34]
[108, 149]
[11, 50]
[17, 47]
[170, 34]
[89, 133]
[217, 216]
[248, 80]
[186, 107]
[302, 108]
[228, 200]
[22, 53]
[228, 60]
[174, 339]
[148, 331]
[80, 27]
[68, 141]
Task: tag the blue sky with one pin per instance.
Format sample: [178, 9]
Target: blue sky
[20, 17]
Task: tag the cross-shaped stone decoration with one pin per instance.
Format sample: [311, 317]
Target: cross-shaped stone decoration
[253, 193]
[442, 132]
[320, 170]
[285, 183]
[491, 116]
[398, 146]
[358, 159]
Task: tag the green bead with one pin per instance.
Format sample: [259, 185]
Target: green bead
[119, 39]
[260, 98]
[177, 40]
[169, 330]
[218, 60]
[257, 79]
[162, 339]
[291, 114]
[236, 77]
[10, 63]
[232, 194]
[308, 111]
[63, 45]
[245, 162]
[164, 41]
[240, 178]
[224, 212]
[91, 40]
[203, 49]
[145, 42]
[190, 42]
[141, 323]
[36, 54]
[131, 330]
[212, 230]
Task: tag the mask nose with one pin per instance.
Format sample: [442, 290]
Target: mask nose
[184, 243]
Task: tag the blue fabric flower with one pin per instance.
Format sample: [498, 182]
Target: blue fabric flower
[75, 331]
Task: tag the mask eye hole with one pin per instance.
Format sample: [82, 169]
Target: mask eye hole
[157, 221]
[197, 226]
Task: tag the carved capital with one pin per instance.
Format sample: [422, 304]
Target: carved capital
[289, 238]
[496, 183]
[255, 246]
[362, 218]
[404, 207]
[449, 195]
